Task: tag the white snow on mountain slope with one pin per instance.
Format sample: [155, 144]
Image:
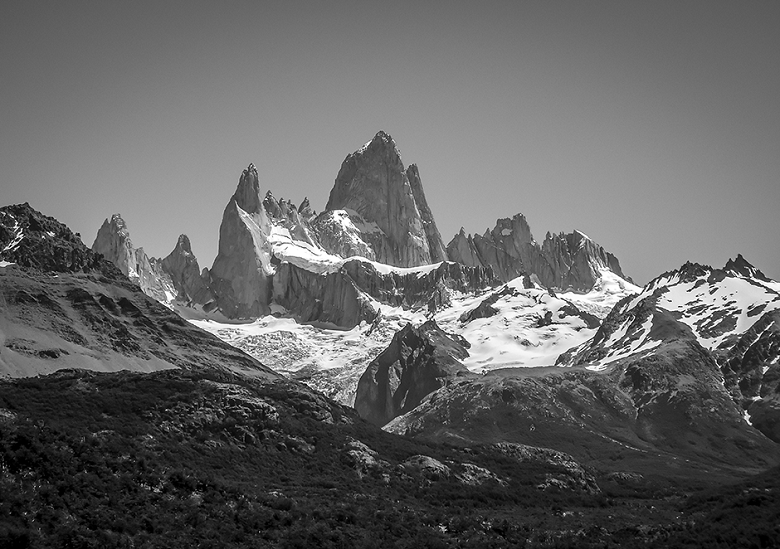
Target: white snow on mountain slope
[622, 343]
[714, 309]
[255, 224]
[281, 244]
[329, 360]
[314, 259]
[530, 329]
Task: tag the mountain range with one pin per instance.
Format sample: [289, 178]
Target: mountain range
[543, 353]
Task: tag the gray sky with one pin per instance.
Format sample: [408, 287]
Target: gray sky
[653, 127]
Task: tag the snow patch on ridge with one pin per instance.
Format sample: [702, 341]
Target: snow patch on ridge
[18, 235]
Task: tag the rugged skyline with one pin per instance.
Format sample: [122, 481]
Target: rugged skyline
[653, 128]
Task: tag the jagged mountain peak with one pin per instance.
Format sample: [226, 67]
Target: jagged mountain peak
[563, 260]
[742, 267]
[418, 361]
[382, 142]
[117, 221]
[378, 192]
[247, 195]
[183, 244]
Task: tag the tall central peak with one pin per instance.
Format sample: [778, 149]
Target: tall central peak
[374, 188]
[247, 194]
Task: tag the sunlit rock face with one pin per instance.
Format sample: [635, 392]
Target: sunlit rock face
[242, 270]
[391, 213]
[114, 243]
[188, 281]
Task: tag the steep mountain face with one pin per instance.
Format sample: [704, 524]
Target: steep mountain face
[563, 261]
[375, 190]
[242, 270]
[113, 242]
[417, 362]
[182, 267]
[435, 242]
[63, 306]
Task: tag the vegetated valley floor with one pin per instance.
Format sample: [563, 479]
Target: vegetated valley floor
[177, 459]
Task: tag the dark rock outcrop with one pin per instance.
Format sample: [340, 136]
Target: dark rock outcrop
[33, 240]
[742, 267]
[417, 362]
[562, 261]
[373, 188]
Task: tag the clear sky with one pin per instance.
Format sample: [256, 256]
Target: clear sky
[653, 127]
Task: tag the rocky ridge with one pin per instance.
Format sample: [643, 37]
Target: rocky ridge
[33, 240]
[562, 261]
[341, 266]
[175, 277]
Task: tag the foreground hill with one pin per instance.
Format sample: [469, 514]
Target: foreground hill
[211, 459]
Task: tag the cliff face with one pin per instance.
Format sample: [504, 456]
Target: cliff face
[373, 188]
[435, 243]
[188, 281]
[113, 242]
[241, 274]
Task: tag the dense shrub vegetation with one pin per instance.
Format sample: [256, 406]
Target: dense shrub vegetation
[184, 460]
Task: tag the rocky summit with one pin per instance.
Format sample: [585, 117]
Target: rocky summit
[562, 261]
[388, 202]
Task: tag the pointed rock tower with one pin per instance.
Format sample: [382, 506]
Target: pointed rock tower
[182, 266]
[113, 242]
[391, 212]
[242, 271]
